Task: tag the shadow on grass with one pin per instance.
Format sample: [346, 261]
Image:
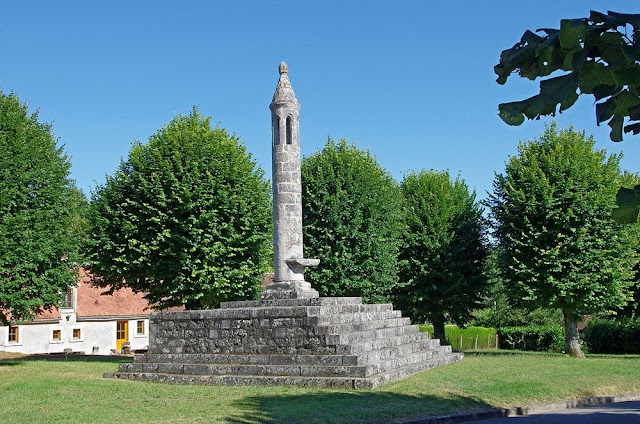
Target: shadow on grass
[9, 363]
[64, 357]
[351, 407]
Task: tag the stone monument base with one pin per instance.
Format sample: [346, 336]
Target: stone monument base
[299, 341]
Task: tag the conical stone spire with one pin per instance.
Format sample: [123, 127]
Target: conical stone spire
[288, 262]
[284, 92]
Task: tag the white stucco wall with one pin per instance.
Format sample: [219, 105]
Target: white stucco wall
[36, 337]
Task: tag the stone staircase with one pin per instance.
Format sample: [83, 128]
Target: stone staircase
[314, 342]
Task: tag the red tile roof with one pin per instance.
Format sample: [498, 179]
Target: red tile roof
[92, 303]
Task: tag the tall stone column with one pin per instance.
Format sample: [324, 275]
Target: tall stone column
[288, 262]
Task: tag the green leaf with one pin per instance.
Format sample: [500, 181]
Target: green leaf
[631, 52]
[571, 32]
[605, 110]
[568, 102]
[611, 20]
[593, 75]
[623, 18]
[602, 91]
[629, 76]
[627, 197]
[628, 201]
[616, 127]
[635, 128]
[559, 89]
[511, 113]
[625, 215]
[634, 112]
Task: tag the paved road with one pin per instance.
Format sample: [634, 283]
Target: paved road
[613, 413]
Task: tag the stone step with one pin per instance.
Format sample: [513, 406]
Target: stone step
[303, 381]
[353, 317]
[249, 370]
[402, 372]
[348, 309]
[256, 359]
[381, 343]
[400, 361]
[283, 369]
[375, 334]
[233, 380]
[315, 301]
[349, 306]
[363, 325]
[375, 356]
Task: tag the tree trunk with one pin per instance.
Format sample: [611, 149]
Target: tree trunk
[571, 336]
[438, 328]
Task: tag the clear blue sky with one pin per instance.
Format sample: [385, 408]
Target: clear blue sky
[412, 81]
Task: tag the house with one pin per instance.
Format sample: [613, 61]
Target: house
[87, 322]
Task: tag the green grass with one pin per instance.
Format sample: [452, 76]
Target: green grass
[74, 391]
[463, 339]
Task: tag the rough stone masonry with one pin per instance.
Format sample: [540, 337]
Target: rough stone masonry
[288, 260]
[291, 336]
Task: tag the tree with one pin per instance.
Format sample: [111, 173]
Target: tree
[443, 250]
[628, 201]
[500, 311]
[37, 244]
[351, 211]
[552, 214]
[601, 55]
[185, 219]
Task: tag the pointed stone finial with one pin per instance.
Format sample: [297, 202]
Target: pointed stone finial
[284, 93]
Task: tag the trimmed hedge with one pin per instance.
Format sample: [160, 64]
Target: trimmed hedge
[468, 338]
[613, 336]
[532, 338]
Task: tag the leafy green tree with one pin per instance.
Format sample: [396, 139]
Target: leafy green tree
[38, 246]
[443, 250]
[500, 310]
[352, 218]
[601, 55]
[559, 246]
[186, 218]
[628, 201]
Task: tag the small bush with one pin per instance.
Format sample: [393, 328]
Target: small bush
[532, 338]
[613, 336]
[466, 338]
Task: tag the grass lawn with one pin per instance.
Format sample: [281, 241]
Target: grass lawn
[47, 391]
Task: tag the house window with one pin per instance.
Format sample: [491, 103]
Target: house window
[77, 334]
[140, 328]
[13, 334]
[56, 336]
[68, 299]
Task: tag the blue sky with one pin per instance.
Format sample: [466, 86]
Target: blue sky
[412, 81]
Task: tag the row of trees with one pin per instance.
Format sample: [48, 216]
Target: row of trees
[186, 219]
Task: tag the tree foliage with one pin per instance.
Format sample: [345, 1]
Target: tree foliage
[38, 241]
[601, 55]
[185, 219]
[500, 311]
[351, 221]
[626, 212]
[443, 250]
[559, 246]
[628, 201]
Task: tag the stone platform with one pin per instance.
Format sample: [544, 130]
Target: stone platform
[314, 342]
